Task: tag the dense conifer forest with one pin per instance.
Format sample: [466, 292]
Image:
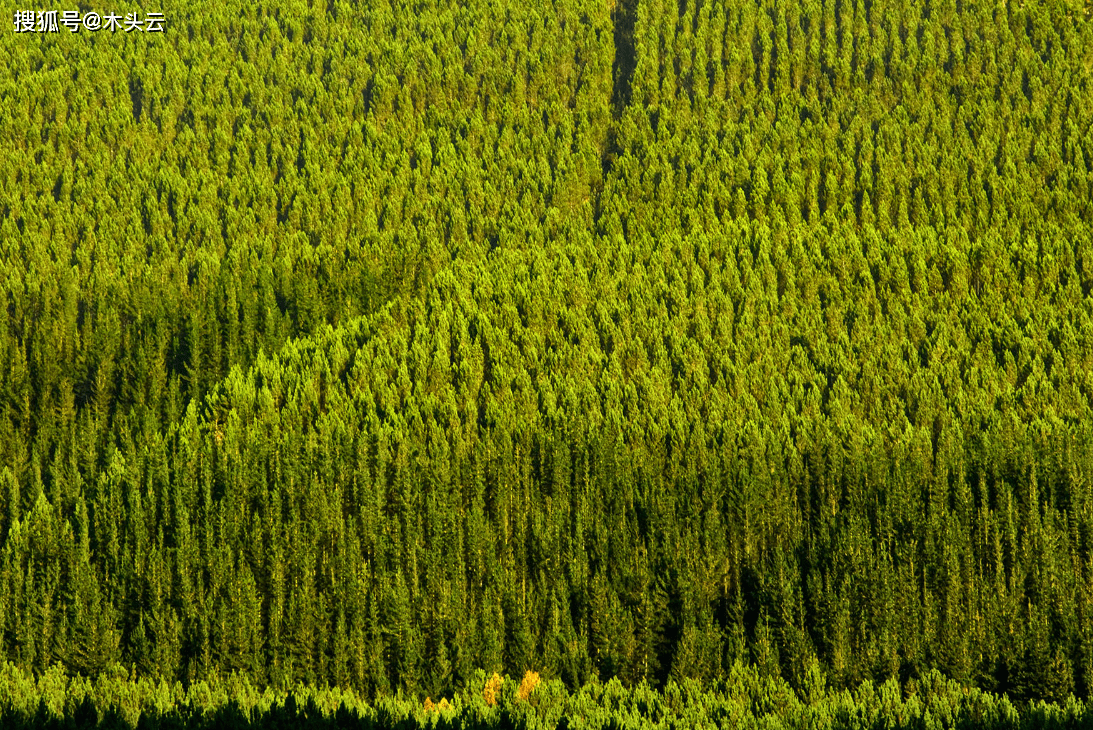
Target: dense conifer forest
[377, 347]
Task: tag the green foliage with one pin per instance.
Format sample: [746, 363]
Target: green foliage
[376, 345]
[745, 699]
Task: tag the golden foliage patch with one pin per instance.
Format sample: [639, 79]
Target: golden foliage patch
[492, 689]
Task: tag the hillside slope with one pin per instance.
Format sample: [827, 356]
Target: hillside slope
[775, 348]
